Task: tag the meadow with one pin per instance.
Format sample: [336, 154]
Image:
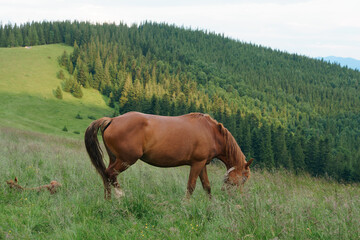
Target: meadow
[27, 84]
[273, 205]
[35, 149]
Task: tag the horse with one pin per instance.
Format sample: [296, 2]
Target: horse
[165, 141]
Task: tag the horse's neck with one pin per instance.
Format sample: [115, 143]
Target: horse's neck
[233, 159]
[229, 151]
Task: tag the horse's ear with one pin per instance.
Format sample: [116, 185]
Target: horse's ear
[249, 163]
[16, 180]
[221, 127]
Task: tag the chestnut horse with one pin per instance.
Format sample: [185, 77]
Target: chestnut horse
[193, 139]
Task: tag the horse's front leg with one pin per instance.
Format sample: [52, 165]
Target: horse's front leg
[195, 170]
[205, 181]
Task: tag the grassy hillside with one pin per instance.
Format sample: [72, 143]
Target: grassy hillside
[273, 206]
[27, 83]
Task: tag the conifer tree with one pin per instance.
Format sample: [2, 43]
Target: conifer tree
[33, 36]
[297, 155]
[281, 154]
[165, 105]
[245, 139]
[155, 105]
[64, 59]
[19, 36]
[265, 154]
[58, 93]
[11, 39]
[312, 155]
[325, 156]
[82, 74]
[99, 72]
[126, 91]
[76, 90]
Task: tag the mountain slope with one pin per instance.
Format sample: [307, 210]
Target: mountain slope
[27, 83]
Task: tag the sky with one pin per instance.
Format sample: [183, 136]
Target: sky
[314, 28]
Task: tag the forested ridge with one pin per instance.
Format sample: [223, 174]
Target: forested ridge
[285, 110]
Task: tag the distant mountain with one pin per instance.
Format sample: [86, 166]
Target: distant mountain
[349, 62]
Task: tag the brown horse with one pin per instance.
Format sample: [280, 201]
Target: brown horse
[193, 139]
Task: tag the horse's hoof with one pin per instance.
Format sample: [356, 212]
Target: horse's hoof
[119, 193]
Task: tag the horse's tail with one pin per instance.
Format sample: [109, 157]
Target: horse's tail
[93, 146]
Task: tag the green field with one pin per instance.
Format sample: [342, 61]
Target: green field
[273, 205]
[27, 82]
[33, 147]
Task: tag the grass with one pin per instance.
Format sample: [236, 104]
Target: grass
[34, 147]
[27, 83]
[275, 205]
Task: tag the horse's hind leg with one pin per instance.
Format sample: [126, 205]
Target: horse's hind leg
[107, 179]
[115, 168]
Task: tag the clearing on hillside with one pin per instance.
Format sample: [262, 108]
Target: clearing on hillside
[27, 84]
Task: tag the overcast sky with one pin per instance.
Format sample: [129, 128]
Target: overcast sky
[315, 28]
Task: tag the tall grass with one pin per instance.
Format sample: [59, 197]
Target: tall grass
[274, 205]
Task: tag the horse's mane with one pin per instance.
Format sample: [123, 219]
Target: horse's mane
[200, 115]
[233, 152]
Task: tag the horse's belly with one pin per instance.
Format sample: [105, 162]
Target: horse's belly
[165, 160]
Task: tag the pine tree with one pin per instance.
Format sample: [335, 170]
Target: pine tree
[325, 156]
[136, 96]
[181, 104]
[70, 67]
[82, 75]
[58, 93]
[75, 54]
[76, 90]
[63, 61]
[33, 36]
[257, 146]
[281, 154]
[18, 36]
[99, 73]
[155, 105]
[68, 84]
[297, 155]
[245, 138]
[165, 105]
[126, 91]
[265, 154]
[312, 156]
[61, 75]
[11, 39]
[2, 36]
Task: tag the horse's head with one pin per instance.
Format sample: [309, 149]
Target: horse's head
[238, 176]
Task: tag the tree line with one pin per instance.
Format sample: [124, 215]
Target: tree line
[283, 109]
